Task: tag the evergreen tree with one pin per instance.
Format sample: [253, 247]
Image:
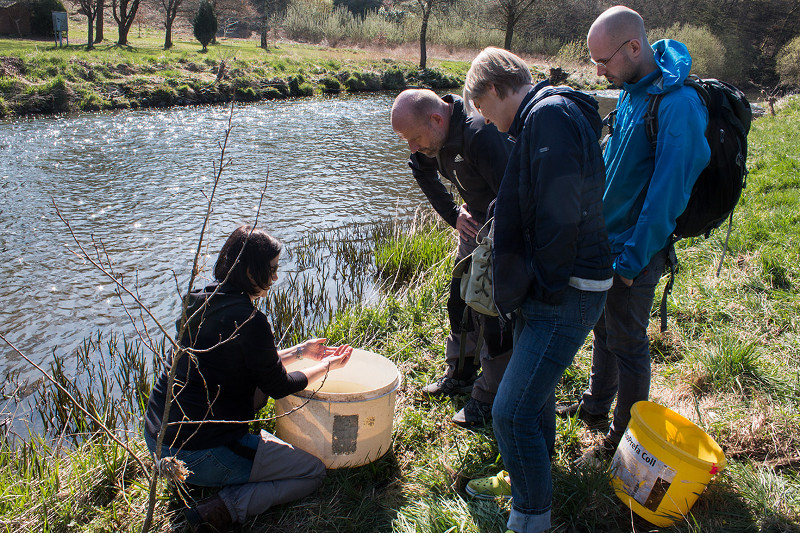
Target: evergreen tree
[205, 24]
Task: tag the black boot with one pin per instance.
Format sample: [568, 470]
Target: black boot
[209, 516]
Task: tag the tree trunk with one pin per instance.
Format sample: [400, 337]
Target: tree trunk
[423, 37]
[125, 17]
[98, 38]
[168, 35]
[90, 40]
[123, 34]
[509, 32]
[264, 30]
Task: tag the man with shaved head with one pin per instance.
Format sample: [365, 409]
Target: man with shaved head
[647, 188]
[472, 155]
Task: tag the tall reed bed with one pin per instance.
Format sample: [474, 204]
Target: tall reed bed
[318, 22]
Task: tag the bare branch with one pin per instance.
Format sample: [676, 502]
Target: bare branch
[178, 350]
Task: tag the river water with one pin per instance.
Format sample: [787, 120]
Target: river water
[135, 180]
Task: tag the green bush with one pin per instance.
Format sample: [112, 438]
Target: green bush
[10, 86]
[92, 102]
[205, 24]
[246, 94]
[41, 16]
[298, 86]
[788, 63]
[354, 84]
[4, 110]
[709, 56]
[185, 90]
[330, 84]
[362, 81]
[57, 92]
[271, 93]
[163, 96]
[280, 86]
[393, 79]
[437, 80]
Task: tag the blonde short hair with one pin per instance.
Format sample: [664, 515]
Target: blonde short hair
[498, 67]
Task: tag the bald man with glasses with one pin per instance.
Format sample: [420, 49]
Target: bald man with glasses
[646, 189]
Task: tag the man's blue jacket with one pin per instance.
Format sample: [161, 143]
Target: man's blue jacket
[646, 191]
[548, 229]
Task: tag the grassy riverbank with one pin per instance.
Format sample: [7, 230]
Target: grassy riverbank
[37, 78]
[730, 362]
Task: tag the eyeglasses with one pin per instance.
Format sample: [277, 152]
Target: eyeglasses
[602, 63]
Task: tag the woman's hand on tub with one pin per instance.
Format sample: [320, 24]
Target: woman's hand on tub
[339, 357]
[316, 349]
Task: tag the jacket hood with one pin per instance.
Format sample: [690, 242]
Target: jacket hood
[587, 104]
[674, 62]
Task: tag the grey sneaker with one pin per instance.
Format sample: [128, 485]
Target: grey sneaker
[593, 422]
[474, 414]
[446, 386]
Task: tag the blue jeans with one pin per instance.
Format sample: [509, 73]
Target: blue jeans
[276, 472]
[546, 339]
[621, 349]
[212, 467]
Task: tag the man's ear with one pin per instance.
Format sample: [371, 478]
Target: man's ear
[492, 89]
[437, 119]
[636, 47]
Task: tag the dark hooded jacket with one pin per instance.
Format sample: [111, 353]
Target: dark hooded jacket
[473, 158]
[236, 354]
[549, 229]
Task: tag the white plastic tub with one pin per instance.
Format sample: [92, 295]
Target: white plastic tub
[349, 421]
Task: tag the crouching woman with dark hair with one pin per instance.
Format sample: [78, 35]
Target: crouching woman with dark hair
[230, 368]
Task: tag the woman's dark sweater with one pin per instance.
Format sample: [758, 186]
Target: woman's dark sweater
[219, 384]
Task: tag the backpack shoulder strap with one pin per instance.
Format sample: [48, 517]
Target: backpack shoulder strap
[673, 266]
[654, 101]
[651, 118]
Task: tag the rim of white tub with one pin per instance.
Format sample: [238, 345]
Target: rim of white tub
[389, 381]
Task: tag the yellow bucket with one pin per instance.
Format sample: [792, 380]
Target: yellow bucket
[663, 463]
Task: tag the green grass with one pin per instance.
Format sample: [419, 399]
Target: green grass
[729, 362]
[409, 251]
[140, 75]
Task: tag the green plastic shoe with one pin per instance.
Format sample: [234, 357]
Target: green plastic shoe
[490, 488]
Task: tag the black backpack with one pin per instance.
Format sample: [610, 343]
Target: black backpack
[719, 186]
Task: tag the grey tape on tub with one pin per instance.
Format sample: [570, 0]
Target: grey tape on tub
[345, 434]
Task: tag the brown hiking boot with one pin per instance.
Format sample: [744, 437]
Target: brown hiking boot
[209, 516]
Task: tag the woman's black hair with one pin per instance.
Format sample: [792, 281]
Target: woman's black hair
[260, 248]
